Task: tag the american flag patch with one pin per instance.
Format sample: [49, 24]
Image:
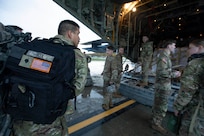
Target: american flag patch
[41, 65]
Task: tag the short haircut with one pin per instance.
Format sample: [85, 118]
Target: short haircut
[121, 47]
[66, 25]
[198, 42]
[110, 47]
[167, 42]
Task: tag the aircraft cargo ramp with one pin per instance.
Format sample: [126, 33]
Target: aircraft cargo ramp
[144, 95]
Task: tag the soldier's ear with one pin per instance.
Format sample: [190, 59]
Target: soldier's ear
[201, 47]
[69, 34]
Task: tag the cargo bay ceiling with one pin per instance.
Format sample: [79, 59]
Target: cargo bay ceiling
[122, 22]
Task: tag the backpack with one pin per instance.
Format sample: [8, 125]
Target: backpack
[37, 80]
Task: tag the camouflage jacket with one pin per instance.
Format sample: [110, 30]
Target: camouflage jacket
[118, 59]
[4, 35]
[191, 83]
[164, 72]
[110, 71]
[81, 67]
[147, 51]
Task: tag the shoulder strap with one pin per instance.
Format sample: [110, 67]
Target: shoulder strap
[53, 39]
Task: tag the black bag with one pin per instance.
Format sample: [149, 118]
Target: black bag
[38, 78]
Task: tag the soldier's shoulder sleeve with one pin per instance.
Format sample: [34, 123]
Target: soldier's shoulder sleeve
[162, 67]
[191, 76]
[164, 60]
[81, 69]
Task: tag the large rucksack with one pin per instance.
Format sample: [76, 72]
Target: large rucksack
[38, 80]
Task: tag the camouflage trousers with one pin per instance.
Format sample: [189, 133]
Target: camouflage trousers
[198, 127]
[28, 128]
[117, 83]
[145, 70]
[160, 106]
[107, 95]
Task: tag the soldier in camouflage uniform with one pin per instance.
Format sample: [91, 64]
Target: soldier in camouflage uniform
[192, 86]
[110, 74]
[68, 32]
[164, 74]
[119, 59]
[146, 57]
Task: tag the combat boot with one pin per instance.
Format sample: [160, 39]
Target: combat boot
[143, 84]
[105, 107]
[160, 129]
[111, 105]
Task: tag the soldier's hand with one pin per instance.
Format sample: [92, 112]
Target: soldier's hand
[176, 112]
[178, 73]
[111, 83]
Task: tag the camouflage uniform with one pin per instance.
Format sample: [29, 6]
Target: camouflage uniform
[146, 57]
[118, 59]
[59, 126]
[188, 96]
[4, 35]
[162, 87]
[110, 74]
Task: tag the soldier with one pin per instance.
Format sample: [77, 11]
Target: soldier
[110, 74]
[191, 92]
[119, 59]
[68, 32]
[164, 74]
[146, 57]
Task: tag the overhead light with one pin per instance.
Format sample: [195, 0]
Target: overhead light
[179, 18]
[201, 34]
[164, 4]
[155, 20]
[197, 10]
[129, 6]
[134, 9]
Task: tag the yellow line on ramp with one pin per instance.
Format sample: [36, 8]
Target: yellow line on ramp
[96, 118]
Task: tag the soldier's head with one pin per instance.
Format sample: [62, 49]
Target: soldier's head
[196, 47]
[70, 30]
[121, 50]
[109, 50]
[169, 45]
[145, 38]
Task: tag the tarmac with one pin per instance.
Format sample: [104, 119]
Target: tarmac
[127, 118]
